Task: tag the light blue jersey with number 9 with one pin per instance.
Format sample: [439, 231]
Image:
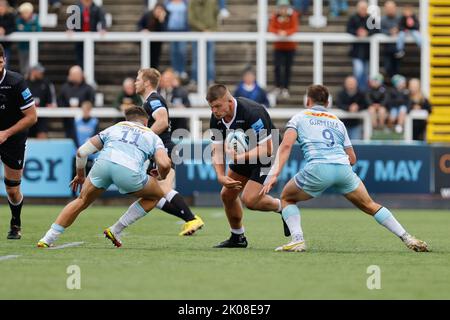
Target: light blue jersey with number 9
[322, 136]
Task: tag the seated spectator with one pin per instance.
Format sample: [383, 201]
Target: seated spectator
[417, 101]
[351, 99]
[44, 97]
[127, 97]
[178, 22]
[284, 22]
[389, 26]
[7, 26]
[399, 102]
[73, 93]
[154, 21]
[27, 21]
[248, 88]
[92, 16]
[337, 7]
[377, 101]
[408, 23]
[176, 97]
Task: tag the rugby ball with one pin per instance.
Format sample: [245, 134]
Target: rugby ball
[238, 141]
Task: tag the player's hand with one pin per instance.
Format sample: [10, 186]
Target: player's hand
[77, 183]
[268, 186]
[230, 183]
[3, 136]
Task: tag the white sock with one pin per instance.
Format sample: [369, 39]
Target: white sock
[279, 206]
[386, 219]
[161, 203]
[291, 215]
[169, 196]
[241, 230]
[52, 234]
[133, 214]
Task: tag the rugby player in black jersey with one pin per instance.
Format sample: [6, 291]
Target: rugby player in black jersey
[247, 171]
[17, 114]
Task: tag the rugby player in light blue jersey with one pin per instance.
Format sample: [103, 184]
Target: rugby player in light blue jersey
[124, 148]
[329, 156]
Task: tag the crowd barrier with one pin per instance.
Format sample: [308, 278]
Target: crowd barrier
[391, 168]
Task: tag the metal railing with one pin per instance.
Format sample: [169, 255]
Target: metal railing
[196, 115]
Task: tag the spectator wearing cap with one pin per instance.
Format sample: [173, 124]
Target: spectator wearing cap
[284, 22]
[249, 88]
[399, 102]
[27, 21]
[7, 26]
[377, 100]
[352, 100]
[44, 96]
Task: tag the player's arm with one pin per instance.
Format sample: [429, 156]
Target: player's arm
[163, 163]
[282, 156]
[29, 119]
[91, 146]
[161, 120]
[218, 160]
[351, 155]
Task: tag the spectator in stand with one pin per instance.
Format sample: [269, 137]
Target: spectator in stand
[352, 100]
[27, 21]
[176, 97]
[7, 26]
[203, 18]
[301, 6]
[248, 88]
[73, 93]
[408, 23]
[337, 7]
[399, 103]
[377, 99]
[154, 21]
[358, 26]
[178, 22]
[284, 22]
[389, 26]
[92, 20]
[44, 96]
[127, 97]
[418, 101]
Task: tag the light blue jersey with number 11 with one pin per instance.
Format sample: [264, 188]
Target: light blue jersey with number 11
[322, 136]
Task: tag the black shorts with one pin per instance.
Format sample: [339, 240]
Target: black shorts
[254, 172]
[13, 154]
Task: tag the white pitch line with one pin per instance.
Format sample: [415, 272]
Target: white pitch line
[66, 245]
[12, 256]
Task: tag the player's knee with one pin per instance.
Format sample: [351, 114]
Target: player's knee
[227, 196]
[250, 202]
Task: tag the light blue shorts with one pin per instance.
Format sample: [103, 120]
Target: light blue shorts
[104, 173]
[315, 178]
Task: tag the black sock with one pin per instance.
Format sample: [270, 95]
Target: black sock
[15, 213]
[183, 210]
[171, 209]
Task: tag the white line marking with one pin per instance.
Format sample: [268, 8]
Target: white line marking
[12, 256]
[66, 245]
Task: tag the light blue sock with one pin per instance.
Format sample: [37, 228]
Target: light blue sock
[58, 228]
[53, 233]
[291, 215]
[386, 219]
[133, 214]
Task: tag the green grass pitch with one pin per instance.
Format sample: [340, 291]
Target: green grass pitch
[156, 263]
